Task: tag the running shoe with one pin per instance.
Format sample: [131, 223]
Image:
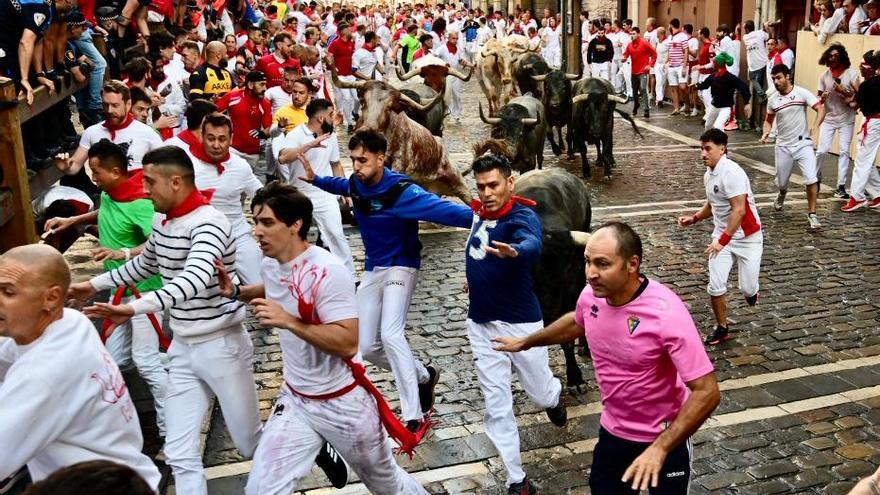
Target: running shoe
[731, 126]
[854, 204]
[426, 390]
[524, 487]
[674, 113]
[647, 114]
[557, 415]
[333, 466]
[9, 483]
[874, 203]
[694, 112]
[840, 193]
[780, 200]
[718, 336]
[752, 300]
[815, 224]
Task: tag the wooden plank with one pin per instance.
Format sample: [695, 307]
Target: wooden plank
[44, 101]
[20, 229]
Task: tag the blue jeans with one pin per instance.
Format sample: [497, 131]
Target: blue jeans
[90, 97]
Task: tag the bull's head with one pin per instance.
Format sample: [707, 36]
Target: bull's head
[560, 274]
[379, 100]
[510, 126]
[595, 109]
[557, 89]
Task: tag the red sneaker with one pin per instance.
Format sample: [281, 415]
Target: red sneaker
[874, 203]
[854, 204]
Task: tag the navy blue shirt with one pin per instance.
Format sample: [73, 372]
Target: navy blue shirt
[501, 289]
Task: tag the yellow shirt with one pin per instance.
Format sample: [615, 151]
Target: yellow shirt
[295, 116]
[282, 9]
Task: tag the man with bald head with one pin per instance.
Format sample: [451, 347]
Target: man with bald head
[655, 379]
[64, 399]
[211, 80]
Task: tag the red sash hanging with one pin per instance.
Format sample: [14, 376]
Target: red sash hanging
[164, 341]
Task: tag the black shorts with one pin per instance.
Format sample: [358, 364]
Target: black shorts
[613, 455]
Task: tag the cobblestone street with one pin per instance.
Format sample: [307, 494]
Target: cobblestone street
[800, 410]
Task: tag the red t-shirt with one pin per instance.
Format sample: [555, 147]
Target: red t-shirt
[705, 57]
[642, 54]
[247, 114]
[274, 69]
[342, 52]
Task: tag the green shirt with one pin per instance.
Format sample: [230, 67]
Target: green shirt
[411, 44]
[126, 225]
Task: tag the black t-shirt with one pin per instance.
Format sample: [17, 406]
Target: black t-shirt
[868, 96]
[600, 51]
[18, 15]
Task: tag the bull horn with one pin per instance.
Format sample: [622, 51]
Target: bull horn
[539, 78]
[488, 120]
[409, 75]
[418, 106]
[530, 122]
[345, 84]
[458, 74]
[580, 238]
[528, 66]
[572, 77]
[580, 98]
[617, 99]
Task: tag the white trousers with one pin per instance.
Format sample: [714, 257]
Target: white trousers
[553, 57]
[222, 366]
[716, 117]
[865, 179]
[706, 94]
[494, 374]
[826, 136]
[297, 429]
[325, 212]
[659, 83]
[248, 259]
[454, 96]
[584, 63]
[804, 156]
[620, 77]
[346, 100]
[136, 341]
[747, 254]
[383, 300]
[601, 70]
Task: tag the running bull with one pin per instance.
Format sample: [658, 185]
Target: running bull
[433, 70]
[412, 149]
[563, 204]
[592, 121]
[556, 95]
[522, 128]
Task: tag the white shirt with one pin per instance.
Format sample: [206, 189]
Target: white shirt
[278, 97]
[788, 58]
[59, 192]
[732, 48]
[651, 36]
[65, 401]
[839, 112]
[693, 45]
[619, 41]
[365, 62]
[554, 37]
[139, 137]
[723, 183]
[500, 28]
[384, 33]
[857, 17]
[237, 178]
[319, 158]
[756, 49]
[319, 278]
[8, 355]
[829, 26]
[484, 32]
[790, 109]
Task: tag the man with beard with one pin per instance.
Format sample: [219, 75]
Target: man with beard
[837, 86]
[793, 142]
[656, 382]
[339, 54]
[211, 80]
[599, 54]
[274, 64]
[251, 116]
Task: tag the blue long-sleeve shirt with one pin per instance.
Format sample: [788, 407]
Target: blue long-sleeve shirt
[502, 289]
[391, 235]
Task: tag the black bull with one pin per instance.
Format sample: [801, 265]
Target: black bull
[563, 204]
[592, 121]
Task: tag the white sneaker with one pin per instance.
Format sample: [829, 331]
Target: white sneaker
[815, 224]
[695, 112]
[780, 200]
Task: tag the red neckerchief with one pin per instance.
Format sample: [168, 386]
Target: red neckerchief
[232, 54]
[79, 208]
[113, 128]
[130, 190]
[189, 138]
[192, 202]
[198, 151]
[368, 47]
[720, 71]
[836, 73]
[453, 49]
[477, 207]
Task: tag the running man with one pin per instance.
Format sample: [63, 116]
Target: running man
[737, 235]
[865, 179]
[723, 86]
[64, 399]
[793, 141]
[656, 381]
[309, 295]
[388, 207]
[837, 87]
[504, 244]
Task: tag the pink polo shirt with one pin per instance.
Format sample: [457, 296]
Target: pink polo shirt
[643, 353]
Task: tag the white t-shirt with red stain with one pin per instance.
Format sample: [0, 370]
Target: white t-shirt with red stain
[644, 353]
[64, 401]
[726, 181]
[316, 281]
[790, 109]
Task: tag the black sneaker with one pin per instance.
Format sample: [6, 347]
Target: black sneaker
[840, 193]
[7, 485]
[647, 114]
[524, 487]
[718, 336]
[426, 390]
[413, 425]
[333, 466]
[557, 415]
[752, 300]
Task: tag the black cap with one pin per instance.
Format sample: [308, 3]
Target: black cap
[192, 4]
[255, 76]
[106, 13]
[75, 18]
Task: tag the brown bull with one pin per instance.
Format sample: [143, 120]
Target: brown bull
[494, 64]
[434, 71]
[412, 149]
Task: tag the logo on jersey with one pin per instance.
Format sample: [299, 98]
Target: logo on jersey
[632, 323]
[39, 19]
[594, 311]
[715, 188]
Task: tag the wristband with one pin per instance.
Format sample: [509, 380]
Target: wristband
[236, 291]
[127, 253]
[724, 239]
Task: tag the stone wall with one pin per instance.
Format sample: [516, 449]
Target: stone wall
[600, 8]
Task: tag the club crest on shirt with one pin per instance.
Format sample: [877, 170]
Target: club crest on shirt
[715, 189]
[594, 311]
[39, 19]
[632, 322]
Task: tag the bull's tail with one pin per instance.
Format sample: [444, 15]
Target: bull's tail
[631, 121]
